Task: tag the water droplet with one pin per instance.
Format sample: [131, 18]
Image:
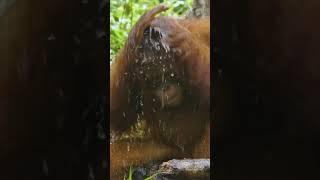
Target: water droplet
[51, 37]
[61, 92]
[76, 39]
[45, 167]
[84, 1]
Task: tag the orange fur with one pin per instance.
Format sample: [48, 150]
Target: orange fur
[190, 121]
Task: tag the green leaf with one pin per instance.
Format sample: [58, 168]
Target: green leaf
[153, 176]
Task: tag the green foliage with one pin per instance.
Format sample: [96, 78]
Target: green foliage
[124, 14]
[130, 174]
[151, 177]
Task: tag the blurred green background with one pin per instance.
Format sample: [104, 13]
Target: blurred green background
[124, 14]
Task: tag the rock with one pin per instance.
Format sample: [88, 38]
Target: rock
[185, 169]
